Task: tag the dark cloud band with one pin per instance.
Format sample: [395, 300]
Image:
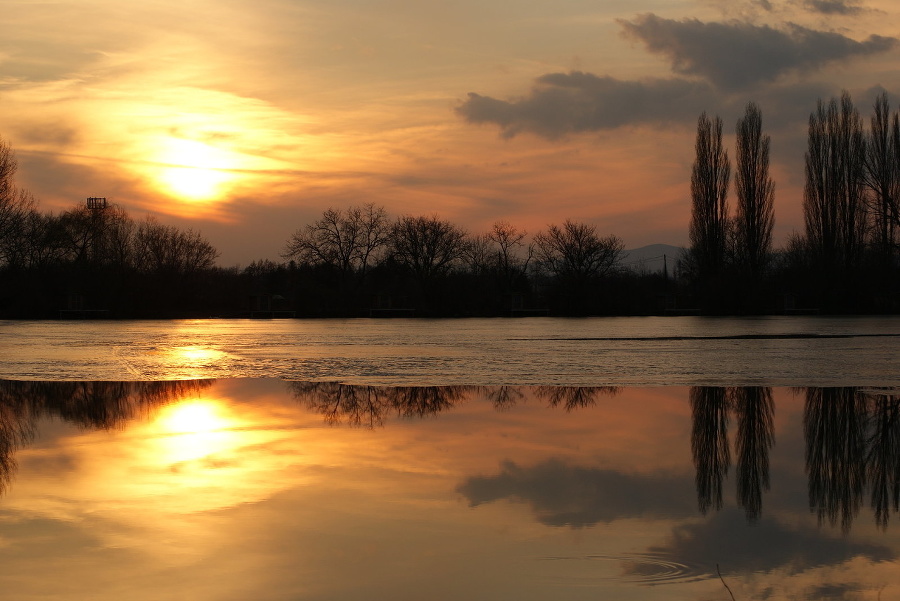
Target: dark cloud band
[563, 103]
[735, 55]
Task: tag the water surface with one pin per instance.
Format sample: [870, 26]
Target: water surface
[780, 351]
[534, 459]
[272, 490]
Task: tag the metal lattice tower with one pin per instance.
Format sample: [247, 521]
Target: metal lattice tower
[96, 203]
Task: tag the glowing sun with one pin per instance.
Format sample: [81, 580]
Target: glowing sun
[194, 170]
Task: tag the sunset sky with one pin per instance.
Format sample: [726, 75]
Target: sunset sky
[246, 119]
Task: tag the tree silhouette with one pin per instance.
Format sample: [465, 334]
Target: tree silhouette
[709, 443]
[834, 197]
[575, 253]
[578, 259]
[166, 249]
[504, 397]
[428, 246]
[883, 458]
[754, 408]
[16, 206]
[834, 424]
[882, 173]
[574, 397]
[368, 406]
[360, 406]
[710, 177]
[755, 190]
[347, 240]
[510, 243]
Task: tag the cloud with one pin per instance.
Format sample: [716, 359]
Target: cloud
[833, 7]
[566, 495]
[735, 55]
[764, 547]
[563, 103]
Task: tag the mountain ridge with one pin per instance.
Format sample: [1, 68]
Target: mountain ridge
[652, 257]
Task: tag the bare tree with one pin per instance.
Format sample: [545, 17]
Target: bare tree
[347, 240]
[15, 207]
[427, 246]
[755, 193]
[478, 253]
[709, 193]
[574, 252]
[511, 247]
[166, 249]
[501, 251]
[100, 236]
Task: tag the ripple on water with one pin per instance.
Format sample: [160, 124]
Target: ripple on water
[643, 568]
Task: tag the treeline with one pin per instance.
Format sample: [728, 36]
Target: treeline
[360, 260]
[846, 258]
[95, 259]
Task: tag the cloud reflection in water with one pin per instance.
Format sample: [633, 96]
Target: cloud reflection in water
[252, 485]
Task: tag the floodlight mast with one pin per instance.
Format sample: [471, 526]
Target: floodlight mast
[96, 203]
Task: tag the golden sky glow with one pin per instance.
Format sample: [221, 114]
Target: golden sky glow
[254, 117]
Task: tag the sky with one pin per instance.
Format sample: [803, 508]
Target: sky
[245, 120]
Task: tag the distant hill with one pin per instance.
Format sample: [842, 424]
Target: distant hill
[650, 258]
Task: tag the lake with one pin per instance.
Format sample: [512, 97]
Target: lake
[473, 459]
[641, 351]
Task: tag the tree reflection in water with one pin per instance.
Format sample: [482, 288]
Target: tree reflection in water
[711, 409]
[852, 436]
[851, 443]
[368, 406]
[883, 459]
[574, 397]
[755, 436]
[852, 440]
[89, 405]
[504, 397]
[834, 424]
[709, 443]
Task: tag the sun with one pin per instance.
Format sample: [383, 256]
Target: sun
[194, 170]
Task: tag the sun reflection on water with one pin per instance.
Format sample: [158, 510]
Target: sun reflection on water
[195, 429]
[194, 361]
[196, 354]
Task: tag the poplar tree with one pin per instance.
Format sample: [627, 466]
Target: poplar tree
[755, 196]
[882, 170]
[709, 191]
[835, 193]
